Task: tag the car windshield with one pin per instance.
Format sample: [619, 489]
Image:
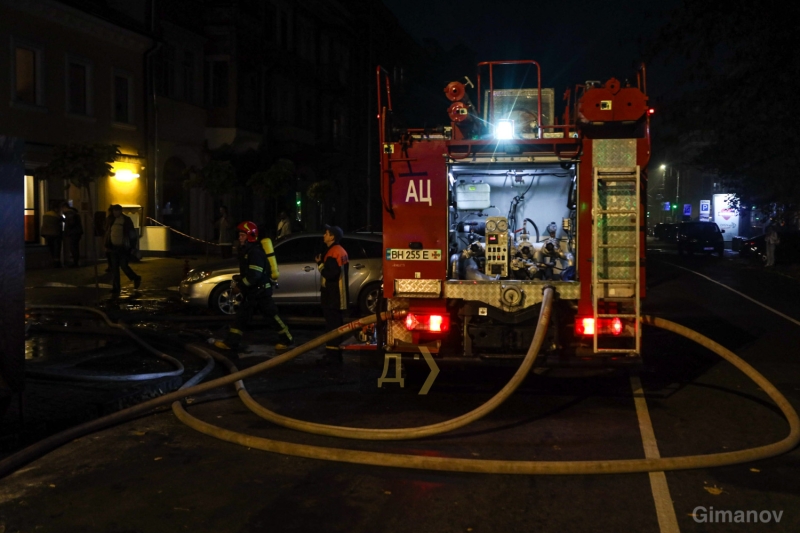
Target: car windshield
[703, 229]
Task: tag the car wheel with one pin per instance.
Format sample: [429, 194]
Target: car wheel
[222, 302]
[368, 298]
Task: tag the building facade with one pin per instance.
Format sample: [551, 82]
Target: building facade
[74, 78]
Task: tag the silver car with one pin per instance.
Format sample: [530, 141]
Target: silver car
[299, 280]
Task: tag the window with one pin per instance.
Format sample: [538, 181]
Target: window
[122, 99]
[354, 249]
[79, 87]
[30, 208]
[300, 250]
[284, 30]
[374, 249]
[27, 80]
[217, 83]
[188, 76]
[25, 76]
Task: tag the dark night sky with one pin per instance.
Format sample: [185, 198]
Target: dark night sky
[573, 42]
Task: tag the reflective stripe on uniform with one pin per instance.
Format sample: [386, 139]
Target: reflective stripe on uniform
[246, 282]
[236, 331]
[256, 267]
[284, 328]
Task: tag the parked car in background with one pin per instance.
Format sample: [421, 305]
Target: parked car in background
[299, 280]
[669, 233]
[658, 230]
[700, 237]
[786, 253]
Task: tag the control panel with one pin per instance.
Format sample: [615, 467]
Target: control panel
[497, 252]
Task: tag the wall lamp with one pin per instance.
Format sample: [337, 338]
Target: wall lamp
[125, 175]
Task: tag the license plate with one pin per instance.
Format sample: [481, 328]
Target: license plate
[708, 248]
[406, 254]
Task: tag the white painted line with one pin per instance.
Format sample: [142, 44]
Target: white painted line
[665, 511]
[768, 308]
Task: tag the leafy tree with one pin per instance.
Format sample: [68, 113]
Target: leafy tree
[81, 165]
[216, 178]
[273, 182]
[740, 78]
[319, 191]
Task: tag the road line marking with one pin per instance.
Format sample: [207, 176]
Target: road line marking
[665, 511]
[768, 308]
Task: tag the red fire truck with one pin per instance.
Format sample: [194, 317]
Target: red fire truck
[480, 215]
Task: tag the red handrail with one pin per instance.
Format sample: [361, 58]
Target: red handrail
[491, 85]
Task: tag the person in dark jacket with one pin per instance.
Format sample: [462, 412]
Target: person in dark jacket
[333, 265]
[73, 231]
[120, 239]
[53, 231]
[258, 271]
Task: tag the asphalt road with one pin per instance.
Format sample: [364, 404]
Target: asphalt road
[155, 474]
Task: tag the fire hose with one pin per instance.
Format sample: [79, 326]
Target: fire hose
[9, 464]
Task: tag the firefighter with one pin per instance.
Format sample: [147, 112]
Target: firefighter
[333, 265]
[258, 270]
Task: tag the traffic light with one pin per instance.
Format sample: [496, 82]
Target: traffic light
[674, 206]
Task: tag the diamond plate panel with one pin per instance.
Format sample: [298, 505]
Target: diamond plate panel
[490, 292]
[397, 330]
[617, 194]
[613, 153]
[417, 288]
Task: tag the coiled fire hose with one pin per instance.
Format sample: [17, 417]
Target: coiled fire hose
[34, 451]
[485, 466]
[432, 463]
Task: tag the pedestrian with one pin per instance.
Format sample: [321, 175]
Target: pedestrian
[53, 230]
[106, 222]
[333, 265]
[284, 226]
[258, 271]
[224, 226]
[120, 240]
[73, 231]
[772, 240]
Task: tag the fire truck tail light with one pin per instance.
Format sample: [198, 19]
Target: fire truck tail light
[434, 323]
[605, 326]
[616, 326]
[585, 326]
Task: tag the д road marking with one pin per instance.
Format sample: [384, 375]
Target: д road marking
[768, 308]
[665, 511]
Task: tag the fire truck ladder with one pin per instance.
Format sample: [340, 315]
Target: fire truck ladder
[615, 250]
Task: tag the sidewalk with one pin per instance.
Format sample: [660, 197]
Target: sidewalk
[158, 273]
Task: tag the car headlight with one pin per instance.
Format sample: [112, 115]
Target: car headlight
[198, 275]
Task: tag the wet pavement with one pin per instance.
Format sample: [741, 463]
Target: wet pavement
[64, 345]
[154, 474]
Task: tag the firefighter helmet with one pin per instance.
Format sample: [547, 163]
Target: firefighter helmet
[250, 229]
